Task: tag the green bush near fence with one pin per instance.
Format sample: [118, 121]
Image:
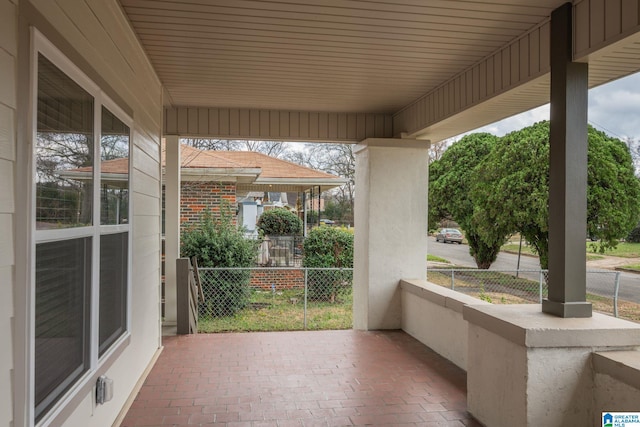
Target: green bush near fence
[217, 242]
[279, 221]
[328, 247]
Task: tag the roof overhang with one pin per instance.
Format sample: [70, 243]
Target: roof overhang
[348, 70]
[293, 184]
[238, 175]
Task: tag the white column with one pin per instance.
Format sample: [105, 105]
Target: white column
[390, 227]
[172, 226]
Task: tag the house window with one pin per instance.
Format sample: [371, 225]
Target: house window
[63, 279]
[82, 229]
[64, 143]
[114, 256]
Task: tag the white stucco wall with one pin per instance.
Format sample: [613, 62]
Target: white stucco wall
[529, 368]
[8, 52]
[426, 308]
[500, 372]
[617, 381]
[612, 395]
[97, 32]
[391, 216]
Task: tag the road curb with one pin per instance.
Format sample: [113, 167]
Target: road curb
[626, 270]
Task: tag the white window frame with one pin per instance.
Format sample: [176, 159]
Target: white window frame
[41, 45]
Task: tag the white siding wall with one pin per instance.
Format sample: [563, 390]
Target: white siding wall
[100, 33]
[8, 49]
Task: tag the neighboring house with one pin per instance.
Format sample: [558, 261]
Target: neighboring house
[247, 180]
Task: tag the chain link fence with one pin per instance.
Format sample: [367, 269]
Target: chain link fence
[530, 286]
[280, 251]
[275, 299]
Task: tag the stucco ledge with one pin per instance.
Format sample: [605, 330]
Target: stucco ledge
[439, 295]
[527, 325]
[624, 366]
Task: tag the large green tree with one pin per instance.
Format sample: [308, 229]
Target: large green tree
[511, 190]
[450, 182]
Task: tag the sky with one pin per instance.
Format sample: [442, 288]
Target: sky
[613, 108]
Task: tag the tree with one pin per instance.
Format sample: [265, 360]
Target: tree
[633, 144]
[450, 181]
[337, 209]
[511, 193]
[336, 159]
[270, 148]
[437, 149]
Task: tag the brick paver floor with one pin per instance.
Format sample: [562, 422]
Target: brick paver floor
[324, 378]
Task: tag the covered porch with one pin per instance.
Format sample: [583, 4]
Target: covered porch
[385, 76]
[321, 378]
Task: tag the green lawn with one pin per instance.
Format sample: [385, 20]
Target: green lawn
[632, 267]
[435, 258]
[513, 247]
[625, 250]
[283, 311]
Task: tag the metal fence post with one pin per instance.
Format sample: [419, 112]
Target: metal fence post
[453, 281]
[540, 286]
[615, 294]
[306, 287]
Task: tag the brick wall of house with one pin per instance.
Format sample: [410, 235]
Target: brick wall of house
[282, 279]
[198, 196]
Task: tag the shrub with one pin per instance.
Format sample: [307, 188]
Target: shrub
[279, 221]
[216, 242]
[328, 247]
[634, 235]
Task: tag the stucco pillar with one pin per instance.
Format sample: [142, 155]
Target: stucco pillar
[528, 368]
[172, 226]
[567, 174]
[390, 227]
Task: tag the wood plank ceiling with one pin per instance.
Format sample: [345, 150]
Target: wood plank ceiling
[326, 55]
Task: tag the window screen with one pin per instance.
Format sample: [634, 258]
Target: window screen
[63, 283]
[113, 288]
[64, 148]
[114, 175]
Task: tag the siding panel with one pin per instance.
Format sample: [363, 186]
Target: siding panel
[629, 14]
[8, 49]
[7, 133]
[7, 80]
[518, 63]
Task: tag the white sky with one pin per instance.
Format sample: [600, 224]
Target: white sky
[613, 108]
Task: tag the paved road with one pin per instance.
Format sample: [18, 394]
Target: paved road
[597, 283]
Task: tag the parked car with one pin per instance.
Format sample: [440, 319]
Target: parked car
[449, 235]
[327, 221]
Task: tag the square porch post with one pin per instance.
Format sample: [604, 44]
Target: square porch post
[390, 227]
[172, 226]
[567, 174]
